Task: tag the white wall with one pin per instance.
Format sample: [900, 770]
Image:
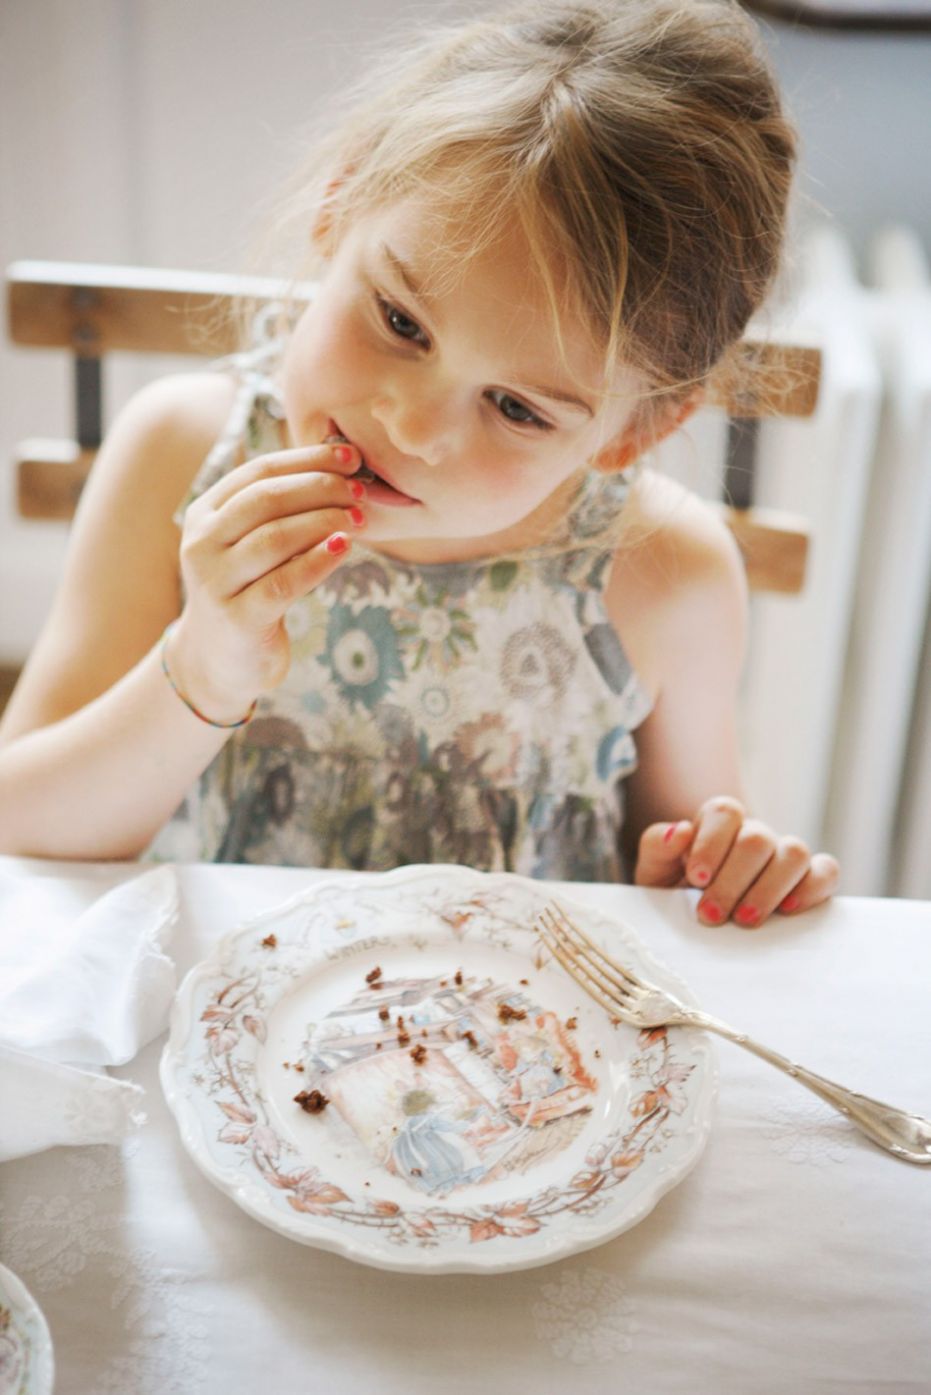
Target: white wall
[862, 102]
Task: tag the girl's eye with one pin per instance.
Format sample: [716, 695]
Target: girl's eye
[400, 324]
[517, 412]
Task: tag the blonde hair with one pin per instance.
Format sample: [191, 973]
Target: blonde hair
[641, 144]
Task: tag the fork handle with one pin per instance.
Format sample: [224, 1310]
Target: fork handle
[908, 1136]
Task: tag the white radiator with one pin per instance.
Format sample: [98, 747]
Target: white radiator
[837, 697]
[879, 810]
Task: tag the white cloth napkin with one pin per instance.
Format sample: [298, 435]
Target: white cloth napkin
[79, 991]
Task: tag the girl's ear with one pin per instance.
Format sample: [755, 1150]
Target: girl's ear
[636, 436]
[323, 227]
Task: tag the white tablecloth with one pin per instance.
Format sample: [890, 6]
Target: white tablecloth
[795, 1257]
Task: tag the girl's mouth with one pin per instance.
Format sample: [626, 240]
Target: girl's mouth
[378, 490]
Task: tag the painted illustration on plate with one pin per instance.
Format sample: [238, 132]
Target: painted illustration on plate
[450, 1081]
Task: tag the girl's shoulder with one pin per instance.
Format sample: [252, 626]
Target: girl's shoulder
[671, 531]
[184, 413]
[677, 577]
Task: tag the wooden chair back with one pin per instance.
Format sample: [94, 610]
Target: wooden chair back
[91, 310]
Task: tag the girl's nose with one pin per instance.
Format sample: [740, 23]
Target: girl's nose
[414, 427]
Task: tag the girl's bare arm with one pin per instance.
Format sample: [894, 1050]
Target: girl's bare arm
[678, 597]
[93, 754]
[96, 750]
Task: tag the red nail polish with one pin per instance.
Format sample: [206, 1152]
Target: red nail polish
[701, 875]
[747, 915]
[343, 454]
[791, 903]
[336, 543]
[710, 911]
[357, 516]
[670, 833]
[357, 489]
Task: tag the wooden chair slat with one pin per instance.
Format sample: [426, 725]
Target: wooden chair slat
[784, 381]
[50, 475]
[774, 546]
[166, 313]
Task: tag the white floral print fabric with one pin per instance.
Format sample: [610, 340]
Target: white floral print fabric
[472, 712]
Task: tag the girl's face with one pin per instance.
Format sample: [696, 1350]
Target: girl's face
[451, 385]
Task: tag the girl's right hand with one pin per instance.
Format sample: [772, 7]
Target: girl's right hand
[261, 538]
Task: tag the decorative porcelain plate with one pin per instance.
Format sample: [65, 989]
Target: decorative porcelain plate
[26, 1362]
[393, 1067]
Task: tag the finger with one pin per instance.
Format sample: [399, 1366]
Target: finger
[661, 852]
[785, 870]
[277, 495]
[819, 882]
[266, 600]
[717, 825]
[328, 458]
[750, 852]
[270, 546]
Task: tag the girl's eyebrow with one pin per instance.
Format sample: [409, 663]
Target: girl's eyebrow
[556, 394]
[405, 273]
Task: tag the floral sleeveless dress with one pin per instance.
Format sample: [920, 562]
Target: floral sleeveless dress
[473, 712]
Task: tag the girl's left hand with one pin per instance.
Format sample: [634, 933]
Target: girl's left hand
[744, 869]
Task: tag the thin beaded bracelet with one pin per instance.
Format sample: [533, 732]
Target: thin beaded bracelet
[224, 726]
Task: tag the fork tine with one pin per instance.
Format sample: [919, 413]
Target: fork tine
[593, 986]
[583, 944]
[601, 976]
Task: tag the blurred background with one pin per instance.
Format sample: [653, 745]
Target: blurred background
[152, 133]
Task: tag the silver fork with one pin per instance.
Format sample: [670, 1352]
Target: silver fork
[629, 998]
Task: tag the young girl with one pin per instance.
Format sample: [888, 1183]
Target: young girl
[427, 605]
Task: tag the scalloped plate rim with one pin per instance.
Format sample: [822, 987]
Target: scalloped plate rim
[17, 1297]
[230, 1181]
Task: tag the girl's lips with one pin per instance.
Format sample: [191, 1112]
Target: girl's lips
[378, 487]
[378, 492]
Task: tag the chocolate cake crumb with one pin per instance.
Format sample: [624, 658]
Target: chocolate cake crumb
[470, 1038]
[404, 1038]
[419, 1054]
[572, 1023]
[270, 942]
[384, 1014]
[506, 1013]
[458, 979]
[312, 1101]
[525, 981]
[372, 978]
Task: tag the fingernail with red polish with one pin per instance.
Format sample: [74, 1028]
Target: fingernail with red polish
[336, 543]
[710, 911]
[343, 454]
[791, 903]
[357, 489]
[357, 516]
[747, 915]
[701, 875]
[670, 833]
